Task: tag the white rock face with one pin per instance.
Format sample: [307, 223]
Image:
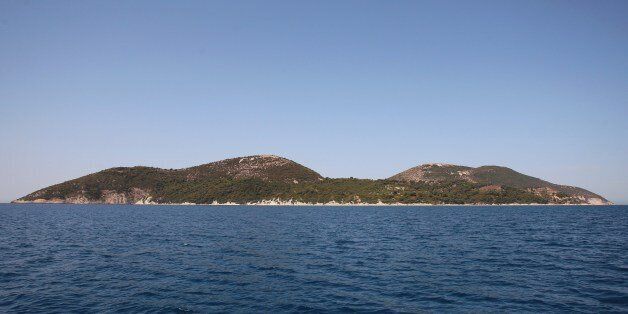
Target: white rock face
[146, 201]
[597, 201]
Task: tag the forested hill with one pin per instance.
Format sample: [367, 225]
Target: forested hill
[268, 179]
[495, 177]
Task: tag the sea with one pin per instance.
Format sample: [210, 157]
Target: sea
[264, 259]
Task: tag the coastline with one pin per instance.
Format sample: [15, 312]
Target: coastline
[265, 203]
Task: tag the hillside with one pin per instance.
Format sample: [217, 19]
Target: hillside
[267, 179]
[495, 178]
[265, 167]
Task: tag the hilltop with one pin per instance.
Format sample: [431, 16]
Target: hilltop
[269, 179]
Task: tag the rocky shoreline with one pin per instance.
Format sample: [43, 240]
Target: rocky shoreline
[293, 203]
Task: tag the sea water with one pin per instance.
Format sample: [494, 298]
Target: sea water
[93, 258]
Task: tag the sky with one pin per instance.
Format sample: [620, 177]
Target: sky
[348, 88]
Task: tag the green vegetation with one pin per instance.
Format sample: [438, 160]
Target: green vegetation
[257, 178]
[172, 187]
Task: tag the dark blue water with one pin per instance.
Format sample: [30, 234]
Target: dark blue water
[62, 258]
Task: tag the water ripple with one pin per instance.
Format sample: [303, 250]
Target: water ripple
[165, 259]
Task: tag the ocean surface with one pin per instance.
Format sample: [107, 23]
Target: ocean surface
[96, 258]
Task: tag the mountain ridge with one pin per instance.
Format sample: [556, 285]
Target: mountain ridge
[270, 179]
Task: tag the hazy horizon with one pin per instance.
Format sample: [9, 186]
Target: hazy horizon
[356, 88]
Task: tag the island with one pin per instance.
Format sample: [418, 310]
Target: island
[274, 180]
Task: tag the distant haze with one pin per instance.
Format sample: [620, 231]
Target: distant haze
[348, 88]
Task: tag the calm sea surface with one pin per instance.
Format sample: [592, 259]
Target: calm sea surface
[71, 258]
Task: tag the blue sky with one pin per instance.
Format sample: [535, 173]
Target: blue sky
[348, 88]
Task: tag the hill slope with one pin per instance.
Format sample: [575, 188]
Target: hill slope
[272, 179]
[495, 178]
[123, 185]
